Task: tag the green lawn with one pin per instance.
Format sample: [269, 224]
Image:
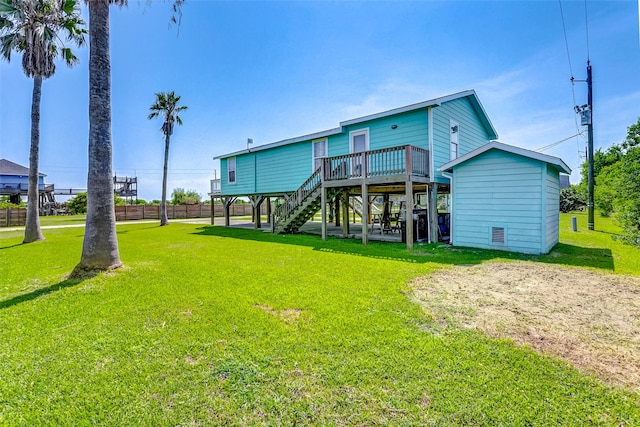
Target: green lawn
[215, 326]
[62, 220]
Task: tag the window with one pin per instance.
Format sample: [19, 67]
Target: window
[454, 131]
[319, 151]
[358, 142]
[231, 169]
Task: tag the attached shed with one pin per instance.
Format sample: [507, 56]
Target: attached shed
[505, 198]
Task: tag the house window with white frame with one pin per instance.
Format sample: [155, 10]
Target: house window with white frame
[319, 151]
[231, 170]
[454, 138]
[358, 143]
[359, 140]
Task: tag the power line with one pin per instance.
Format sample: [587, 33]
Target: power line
[573, 90]
[566, 41]
[546, 147]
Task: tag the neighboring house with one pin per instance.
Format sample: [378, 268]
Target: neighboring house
[397, 152]
[505, 198]
[14, 180]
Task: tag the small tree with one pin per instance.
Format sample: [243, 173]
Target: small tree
[571, 199]
[78, 204]
[181, 197]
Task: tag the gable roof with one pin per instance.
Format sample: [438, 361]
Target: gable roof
[436, 102]
[494, 145]
[10, 168]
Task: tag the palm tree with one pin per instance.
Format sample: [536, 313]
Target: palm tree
[32, 28]
[166, 104]
[100, 245]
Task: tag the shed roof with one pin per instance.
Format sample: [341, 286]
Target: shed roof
[470, 94]
[495, 145]
[9, 168]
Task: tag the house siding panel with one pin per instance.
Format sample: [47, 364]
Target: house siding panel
[280, 170]
[499, 189]
[552, 208]
[412, 129]
[472, 132]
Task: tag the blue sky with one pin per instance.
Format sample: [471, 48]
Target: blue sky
[272, 70]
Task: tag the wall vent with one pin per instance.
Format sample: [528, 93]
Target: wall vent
[497, 235]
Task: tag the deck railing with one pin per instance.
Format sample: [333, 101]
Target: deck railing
[405, 159]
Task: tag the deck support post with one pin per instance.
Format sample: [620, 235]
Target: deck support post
[345, 213]
[433, 212]
[409, 215]
[365, 213]
[226, 204]
[323, 201]
[336, 210]
[213, 210]
[256, 202]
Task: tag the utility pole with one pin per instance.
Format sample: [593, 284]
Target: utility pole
[586, 118]
[590, 202]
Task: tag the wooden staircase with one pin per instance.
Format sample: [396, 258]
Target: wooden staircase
[356, 204]
[301, 206]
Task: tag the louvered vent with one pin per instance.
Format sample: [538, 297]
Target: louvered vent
[497, 235]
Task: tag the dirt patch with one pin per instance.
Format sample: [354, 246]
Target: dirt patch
[289, 315]
[587, 318]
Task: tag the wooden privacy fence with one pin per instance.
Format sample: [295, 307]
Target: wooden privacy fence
[15, 217]
[127, 213]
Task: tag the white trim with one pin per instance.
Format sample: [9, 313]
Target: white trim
[358, 132]
[313, 151]
[557, 162]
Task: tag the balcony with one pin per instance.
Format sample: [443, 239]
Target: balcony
[395, 164]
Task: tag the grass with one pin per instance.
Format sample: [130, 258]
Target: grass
[62, 219]
[212, 326]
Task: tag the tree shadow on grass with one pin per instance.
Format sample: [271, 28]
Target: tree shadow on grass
[29, 296]
[11, 246]
[562, 254]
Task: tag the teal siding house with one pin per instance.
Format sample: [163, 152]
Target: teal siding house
[14, 181]
[395, 152]
[505, 198]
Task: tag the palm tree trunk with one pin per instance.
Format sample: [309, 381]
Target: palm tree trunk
[163, 214]
[32, 230]
[100, 247]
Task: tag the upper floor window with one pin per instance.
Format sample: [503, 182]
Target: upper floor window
[231, 169]
[454, 138]
[359, 140]
[319, 151]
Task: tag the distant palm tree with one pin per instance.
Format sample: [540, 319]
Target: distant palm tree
[166, 104]
[32, 28]
[100, 245]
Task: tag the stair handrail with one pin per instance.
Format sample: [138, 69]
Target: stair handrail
[297, 198]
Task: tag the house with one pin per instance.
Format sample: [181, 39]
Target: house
[506, 198]
[395, 152]
[14, 181]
